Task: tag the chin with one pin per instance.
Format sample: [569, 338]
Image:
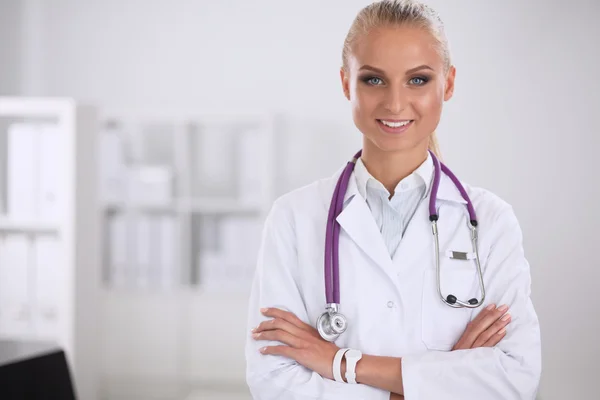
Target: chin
[395, 145]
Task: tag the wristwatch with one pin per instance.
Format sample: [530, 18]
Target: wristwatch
[352, 357]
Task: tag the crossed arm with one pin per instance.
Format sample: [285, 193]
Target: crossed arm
[302, 343]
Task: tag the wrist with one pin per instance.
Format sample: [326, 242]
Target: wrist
[343, 369]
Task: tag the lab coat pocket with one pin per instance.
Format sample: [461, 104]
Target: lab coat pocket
[443, 325]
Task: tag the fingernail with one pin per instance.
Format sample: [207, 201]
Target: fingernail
[506, 317]
[253, 330]
[255, 335]
[490, 307]
[263, 349]
[263, 310]
[503, 308]
[502, 331]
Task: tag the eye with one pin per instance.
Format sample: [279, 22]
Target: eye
[419, 80]
[372, 80]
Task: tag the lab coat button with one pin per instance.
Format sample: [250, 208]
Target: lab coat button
[390, 304]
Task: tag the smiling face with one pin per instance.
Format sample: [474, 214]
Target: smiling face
[396, 81]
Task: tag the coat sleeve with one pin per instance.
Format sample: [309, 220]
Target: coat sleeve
[276, 284]
[510, 370]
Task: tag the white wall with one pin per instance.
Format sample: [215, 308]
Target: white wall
[522, 122]
[10, 46]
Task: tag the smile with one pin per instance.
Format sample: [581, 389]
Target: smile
[394, 126]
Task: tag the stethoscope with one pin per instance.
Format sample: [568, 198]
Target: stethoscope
[331, 324]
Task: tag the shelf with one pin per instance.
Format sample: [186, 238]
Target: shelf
[208, 206]
[141, 208]
[27, 227]
[217, 206]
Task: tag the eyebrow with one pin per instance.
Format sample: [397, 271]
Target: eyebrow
[410, 71]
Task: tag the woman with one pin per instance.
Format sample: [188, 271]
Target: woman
[404, 340]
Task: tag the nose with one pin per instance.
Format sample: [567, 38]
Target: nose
[395, 100]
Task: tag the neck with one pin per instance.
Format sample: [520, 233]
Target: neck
[390, 168]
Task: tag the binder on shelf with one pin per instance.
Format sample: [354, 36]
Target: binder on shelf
[22, 171]
[51, 159]
[112, 166]
[119, 261]
[150, 185]
[143, 252]
[35, 158]
[15, 286]
[167, 271]
[49, 287]
[249, 151]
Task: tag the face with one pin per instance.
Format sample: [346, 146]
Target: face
[396, 84]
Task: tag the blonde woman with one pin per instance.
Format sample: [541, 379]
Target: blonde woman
[354, 296]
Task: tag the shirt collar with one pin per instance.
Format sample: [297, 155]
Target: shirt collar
[422, 175]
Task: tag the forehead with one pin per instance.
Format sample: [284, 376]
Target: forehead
[396, 49]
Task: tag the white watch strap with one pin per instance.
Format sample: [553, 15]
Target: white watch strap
[337, 365]
[351, 365]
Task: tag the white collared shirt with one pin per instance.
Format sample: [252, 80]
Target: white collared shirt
[393, 215]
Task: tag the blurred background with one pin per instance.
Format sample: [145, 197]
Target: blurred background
[143, 142]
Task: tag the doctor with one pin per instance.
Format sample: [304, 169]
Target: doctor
[402, 334]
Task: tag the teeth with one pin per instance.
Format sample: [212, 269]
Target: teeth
[394, 124]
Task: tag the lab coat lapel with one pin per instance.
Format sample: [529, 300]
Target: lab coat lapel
[357, 221]
[417, 242]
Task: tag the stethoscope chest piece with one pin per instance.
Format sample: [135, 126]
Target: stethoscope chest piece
[331, 324]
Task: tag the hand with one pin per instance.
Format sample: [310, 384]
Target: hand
[395, 396]
[486, 330]
[304, 344]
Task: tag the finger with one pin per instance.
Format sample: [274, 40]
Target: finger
[492, 330]
[477, 328]
[468, 336]
[483, 313]
[495, 339]
[464, 341]
[284, 351]
[279, 336]
[287, 316]
[281, 324]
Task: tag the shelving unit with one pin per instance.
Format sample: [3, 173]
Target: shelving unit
[185, 168]
[169, 345]
[50, 229]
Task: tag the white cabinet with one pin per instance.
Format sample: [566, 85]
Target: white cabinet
[50, 229]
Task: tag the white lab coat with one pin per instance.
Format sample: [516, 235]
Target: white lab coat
[392, 305]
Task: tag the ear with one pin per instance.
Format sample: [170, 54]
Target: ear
[345, 83]
[450, 77]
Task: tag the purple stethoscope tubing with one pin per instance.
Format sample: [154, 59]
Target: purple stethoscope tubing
[332, 323]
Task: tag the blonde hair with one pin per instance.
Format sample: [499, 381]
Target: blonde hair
[394, 13]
